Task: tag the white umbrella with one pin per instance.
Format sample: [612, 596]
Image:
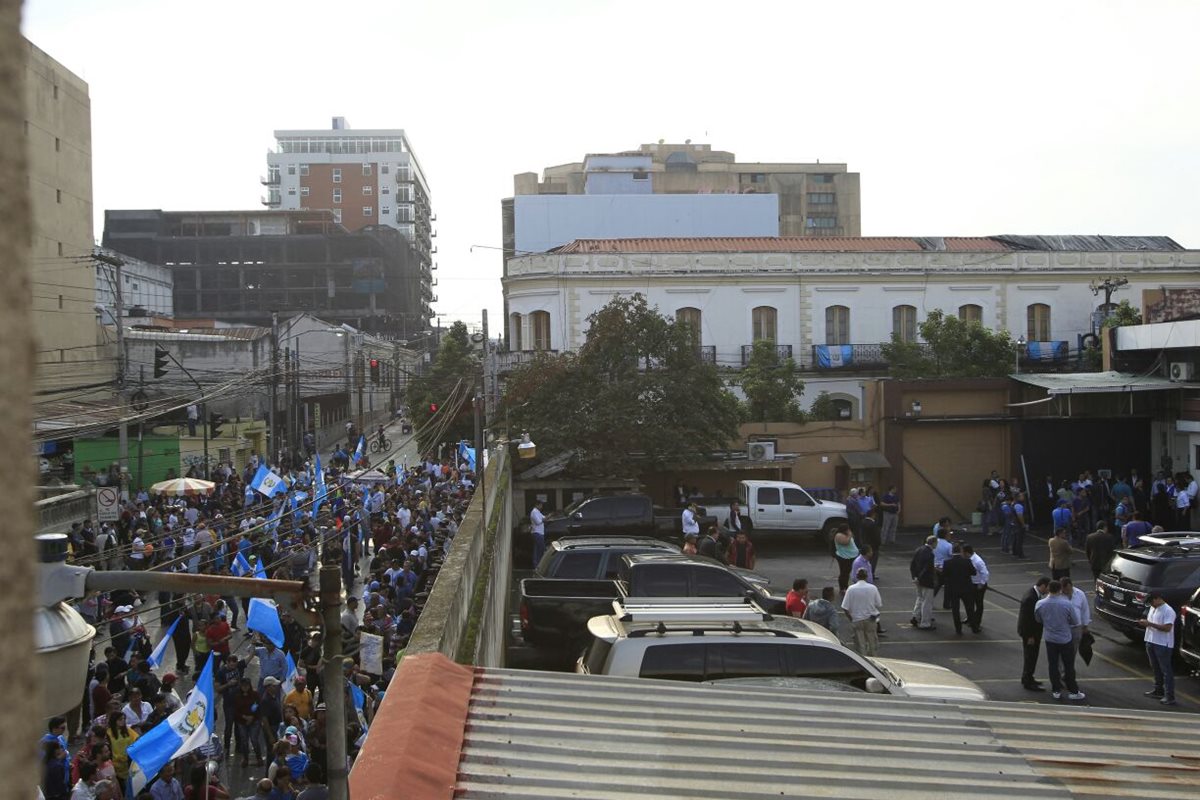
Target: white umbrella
[183, 487]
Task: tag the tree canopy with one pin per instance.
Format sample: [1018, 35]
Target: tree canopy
[636, 392]
[952, 348]
[1123, 314]
[456, 362]
[772, 386]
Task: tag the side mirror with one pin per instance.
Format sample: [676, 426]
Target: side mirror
[577, 515]
[874, 686]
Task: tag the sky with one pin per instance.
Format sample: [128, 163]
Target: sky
[963, 118]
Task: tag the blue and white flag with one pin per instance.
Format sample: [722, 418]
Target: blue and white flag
[358, 699]
[289, 680]
[267, 482]
[362, 446]
[190, 727]
[262, 617]
[259, 570]
[321, 491]
[467, 454]
[156, 655]
[273, 523]
[240, 566]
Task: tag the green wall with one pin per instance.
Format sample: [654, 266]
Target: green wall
[160, 454]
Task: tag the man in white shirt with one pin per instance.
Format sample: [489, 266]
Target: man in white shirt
[136, 710]
[537, 527]
[1160, 644]
[1079, 599]
[193, 416]
[979, 582]
[688, 520]
[863, 605]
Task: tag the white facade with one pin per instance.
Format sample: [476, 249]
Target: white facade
[549, 296]
[143, 285]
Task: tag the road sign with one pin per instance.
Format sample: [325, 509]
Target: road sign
[107, 504]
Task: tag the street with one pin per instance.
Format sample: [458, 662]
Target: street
[1116, 678]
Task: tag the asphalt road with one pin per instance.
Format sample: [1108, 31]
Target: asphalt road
[1116, 678]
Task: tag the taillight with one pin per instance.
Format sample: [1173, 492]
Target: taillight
[1139, 597]
[524, 612]
[1184, 610]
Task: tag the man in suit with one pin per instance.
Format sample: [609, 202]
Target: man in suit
[1030, 631]
[956, 581]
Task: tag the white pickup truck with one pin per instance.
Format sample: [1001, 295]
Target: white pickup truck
[784, 507]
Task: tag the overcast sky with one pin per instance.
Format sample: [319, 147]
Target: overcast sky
[963, 118]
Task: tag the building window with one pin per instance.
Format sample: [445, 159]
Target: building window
[385, 189]
[337, 195]
[514, 333]
[904, 323]
[754, 177]
[57, 145]
[58, 195]
[691, 317]
[292, 191]
[971, 312]
[337, 216]
[540, 324]
[366, 170]
[404, 193]
[404, 213]
[56, 91]
[821, 178]
[368, 211]
[291, 169]
[762, 321]
[385, 210]
[1039, 322]
[368, 190]
[304, 170]
[337, 175]
[641, 175]
[385, 168]
[820, 198]
[304, 191]
[60, 248]
[837, 325]
[820, 222]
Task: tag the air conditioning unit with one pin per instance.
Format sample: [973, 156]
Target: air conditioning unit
[761, 451]
[1183, 371]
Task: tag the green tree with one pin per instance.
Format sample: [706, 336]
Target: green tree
[454, 374]
[1123, 314]
[952, 348]
[772, 386]
[636, 392]
[823, 409]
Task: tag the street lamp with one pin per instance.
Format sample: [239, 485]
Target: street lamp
[1017, 356]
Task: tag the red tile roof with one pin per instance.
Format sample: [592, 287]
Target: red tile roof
[785, 244]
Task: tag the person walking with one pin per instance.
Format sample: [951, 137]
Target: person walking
[1057, 616]
[979, 585]
[537, 528]
[845, 551]
[889, 506]
[1060, 554]
[1159, 625]
[1029, 628]
[924, 578]
[863, 605]
[957, 572]
[740, 552]
[1099, 547]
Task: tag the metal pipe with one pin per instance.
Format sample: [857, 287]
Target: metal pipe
[333, 683]
[289, 594]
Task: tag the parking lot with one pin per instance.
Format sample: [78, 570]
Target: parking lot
[1116, 678]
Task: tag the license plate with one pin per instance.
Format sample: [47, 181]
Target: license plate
[1118, 595]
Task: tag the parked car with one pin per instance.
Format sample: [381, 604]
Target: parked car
[1132, 573]
[555, 611]
[621, 515]
[779, 506]
[720, 642]
[1189, 631]
[595, 557]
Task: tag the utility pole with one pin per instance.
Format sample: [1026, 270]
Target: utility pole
[359, 380]
[286, 436]
[119, 308]
[349, 397]
[274, 386]
[141, 432]
[333, 682]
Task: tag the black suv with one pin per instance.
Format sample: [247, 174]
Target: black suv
[1171, 569]
[595, 556]
[1189, 631]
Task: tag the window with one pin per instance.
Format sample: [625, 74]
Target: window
[57, 144]
[691, 318]
[368, 211]
[628, 507]
[971, 312]
[820, 198]
[304, 169]
[579, 565]
[337, 195]
[837, 325]
[676, 662]
[337, 215]
[762, 321]
[820, 222]
[823, 662]
[540, 323]
[904, 323]
[796, 497]
[641, 175]
[754, 177]
[292, 191]
[745, 660]
[385, 189]
[404, 193]
[337, 175]
[291, 169]
[304, 191]
[385, 210]
[1039, 322]
[368, 190]
[514, 333]
[56, 91]
[768, 496]
[60, 248]
[58, 195]
[366, 170]
[663, 580]
[384, 169]
[821, 178]
[716, 583]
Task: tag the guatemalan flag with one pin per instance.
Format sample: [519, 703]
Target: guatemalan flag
[320, 492]
[289, 680]
[263, 617]
[240, 566]
[156, 655]
[362, 446]
[190, 727]
[267, 482]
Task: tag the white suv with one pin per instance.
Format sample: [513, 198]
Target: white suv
[718, 642]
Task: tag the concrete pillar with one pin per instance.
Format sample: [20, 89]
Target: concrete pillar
[21, 731]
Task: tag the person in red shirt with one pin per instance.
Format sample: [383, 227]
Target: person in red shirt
[218, 634]
[797, 598]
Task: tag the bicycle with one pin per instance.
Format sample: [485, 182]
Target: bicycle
[381, 445]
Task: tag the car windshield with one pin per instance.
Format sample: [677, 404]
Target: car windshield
[1131, 569]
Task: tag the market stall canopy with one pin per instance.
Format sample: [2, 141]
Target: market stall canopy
[183, 487]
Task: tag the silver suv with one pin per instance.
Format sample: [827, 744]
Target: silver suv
[737, 641]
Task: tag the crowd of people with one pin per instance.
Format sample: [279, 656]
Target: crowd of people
[389, 538]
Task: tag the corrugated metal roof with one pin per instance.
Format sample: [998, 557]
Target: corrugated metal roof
[496, 733]
[1089, 243]
[782, 244]
[1093, 382]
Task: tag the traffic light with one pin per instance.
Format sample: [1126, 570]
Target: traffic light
[215, 421]
[433, 408]
[161, 357]
[375, 371]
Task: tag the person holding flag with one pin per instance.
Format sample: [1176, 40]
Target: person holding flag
[185, 730]
[156, 655]
[360, 450]
[267, 482]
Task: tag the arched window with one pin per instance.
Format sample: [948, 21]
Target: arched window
[1038, 328]
[904, 323]
[837, 325]
[514, 333]
[539, 323]
[843, 408]
[971, 312]
[691, 317]
[763, 320]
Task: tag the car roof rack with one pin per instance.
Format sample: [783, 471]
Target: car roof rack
[677, 609]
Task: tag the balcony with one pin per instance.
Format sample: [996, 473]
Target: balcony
[848, 356]
[270, 180]
[508, 360]
[782, 352]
